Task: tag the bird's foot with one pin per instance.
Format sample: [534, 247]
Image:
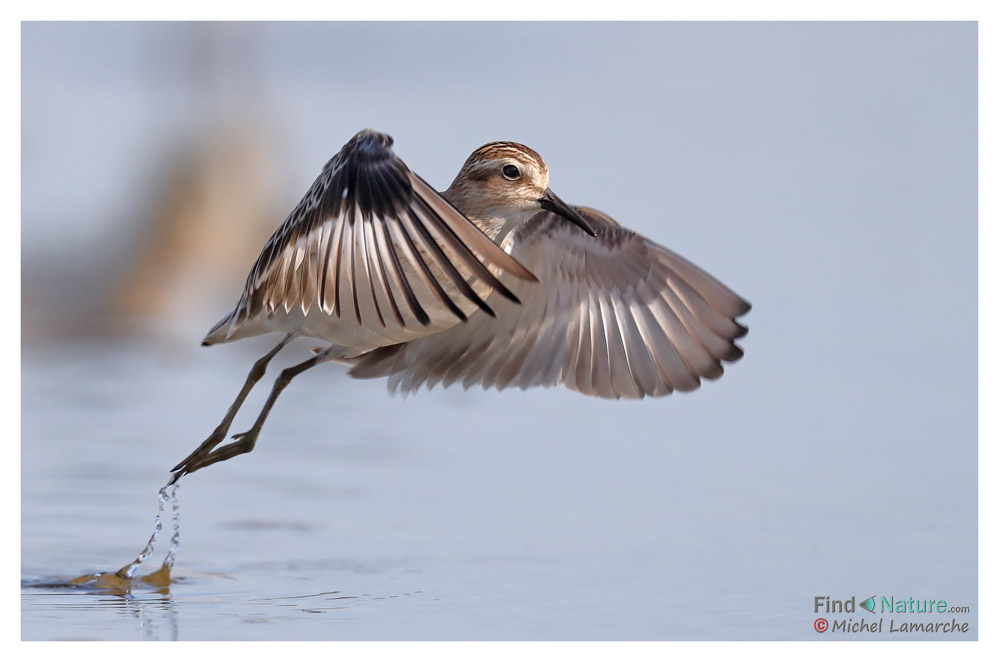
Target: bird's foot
[244, 443]
[190, 463]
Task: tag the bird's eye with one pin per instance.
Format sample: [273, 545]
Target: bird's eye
[511, 172]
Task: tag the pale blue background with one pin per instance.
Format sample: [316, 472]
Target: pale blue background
[827, 172]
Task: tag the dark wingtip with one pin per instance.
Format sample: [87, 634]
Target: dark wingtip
[506, 293]
[371, 144]
[484, 307]
[733, 354]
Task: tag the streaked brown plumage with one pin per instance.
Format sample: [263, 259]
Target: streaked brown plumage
[495, 282]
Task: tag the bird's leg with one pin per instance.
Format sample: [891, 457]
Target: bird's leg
[246, 440]
[216, 437]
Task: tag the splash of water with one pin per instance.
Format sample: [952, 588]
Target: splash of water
[165, 497]
[175, 538]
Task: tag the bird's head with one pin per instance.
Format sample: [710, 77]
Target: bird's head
[510, 181]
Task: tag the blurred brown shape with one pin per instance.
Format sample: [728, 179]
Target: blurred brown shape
[199, 211]
[208, 220]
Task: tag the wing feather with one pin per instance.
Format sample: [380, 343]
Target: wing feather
[415, 254]
[373, 238]
[613, 316]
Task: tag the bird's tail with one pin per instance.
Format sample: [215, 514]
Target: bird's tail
[219, 332]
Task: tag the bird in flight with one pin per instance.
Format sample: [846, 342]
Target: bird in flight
[495, 281]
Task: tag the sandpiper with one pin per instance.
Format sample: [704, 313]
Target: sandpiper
[496, 281]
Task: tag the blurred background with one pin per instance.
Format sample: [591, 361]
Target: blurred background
[825, 171]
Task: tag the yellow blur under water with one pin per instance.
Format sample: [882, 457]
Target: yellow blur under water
[119, 584]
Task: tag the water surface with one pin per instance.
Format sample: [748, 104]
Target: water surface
[450, 515]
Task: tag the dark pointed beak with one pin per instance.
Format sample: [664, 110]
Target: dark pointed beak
[552, 202]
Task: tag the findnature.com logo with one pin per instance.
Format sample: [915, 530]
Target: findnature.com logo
[888, 604]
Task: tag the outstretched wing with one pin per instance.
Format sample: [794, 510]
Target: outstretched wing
[373, 241]
[614, 316]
